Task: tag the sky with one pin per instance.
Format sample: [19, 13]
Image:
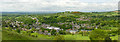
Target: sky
[58, 5]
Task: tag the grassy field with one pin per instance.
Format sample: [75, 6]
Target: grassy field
[44, 37]
[16, 36]
[119, 38]
[114, 37]
[0, 34]
[76, 37]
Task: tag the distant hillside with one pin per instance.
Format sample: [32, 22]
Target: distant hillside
[116, 11]
[28, 12]
[22, 13]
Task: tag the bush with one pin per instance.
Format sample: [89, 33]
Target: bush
[113, 34]
[98, 34]
[62, 32]
[59, 37]
[18, 30]
[80, 32]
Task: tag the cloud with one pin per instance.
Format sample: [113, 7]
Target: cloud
[58, 5]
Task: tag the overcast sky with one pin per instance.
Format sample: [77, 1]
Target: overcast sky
[57, 5]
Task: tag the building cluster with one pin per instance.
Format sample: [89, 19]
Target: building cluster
[75, 26]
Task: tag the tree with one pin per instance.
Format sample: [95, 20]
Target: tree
[62, 32]
[119, 32]
[59, 37]
[108, 39]
[18, 30]
[98, 34]
[53, 32]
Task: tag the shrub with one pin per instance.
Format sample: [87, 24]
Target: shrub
[98, 34]
[113, 34]
[80, 32]
[59, 37]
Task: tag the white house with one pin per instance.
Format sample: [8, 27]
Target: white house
[38, 28]
[72, 31]
[56, 28]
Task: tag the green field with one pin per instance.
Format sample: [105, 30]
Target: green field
[15, 36]
[76, 37]
[114, 37]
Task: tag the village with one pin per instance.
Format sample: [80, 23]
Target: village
[39, 26]
[67, 25]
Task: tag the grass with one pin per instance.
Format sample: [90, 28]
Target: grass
[76, 37]
[0, 34]
[44, 37]
[15, 36]
[114, 37]
[119, 38]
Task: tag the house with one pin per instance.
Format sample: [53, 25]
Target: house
[14, 26]
[45, 25]
[72, 31]
[55, 28]
[24, 29]
[34, 18]
[35, 31]
[85, 30]
[60, 23]
[83, 19]
[37, 28]
[77, 26]
[68, 30]
[45, 32]
[15, 29]
[49, 33]
[88, 27]
[49, 28]
[76, 12]
[96, 27]
[40, 32]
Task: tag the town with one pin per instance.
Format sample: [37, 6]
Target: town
[63, 23]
